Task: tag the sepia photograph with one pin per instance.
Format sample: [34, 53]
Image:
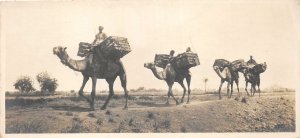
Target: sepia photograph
[166, 68]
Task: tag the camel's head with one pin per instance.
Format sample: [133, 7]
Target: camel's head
[61, 53]
[150, 65]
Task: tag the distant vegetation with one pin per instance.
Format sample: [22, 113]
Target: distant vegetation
[47, 83]
[24, 84]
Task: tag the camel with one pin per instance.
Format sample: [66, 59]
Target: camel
[226, 72]
[98, 68]
[170, 74]
[252, 76]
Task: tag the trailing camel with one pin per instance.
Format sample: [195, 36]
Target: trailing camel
[252, 76]
[97, 68]
[228, 72]
[170, 74]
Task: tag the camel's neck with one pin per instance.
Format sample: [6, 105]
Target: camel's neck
[77, 65]
[158, 75]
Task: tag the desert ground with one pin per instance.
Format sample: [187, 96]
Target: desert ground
[147, 112]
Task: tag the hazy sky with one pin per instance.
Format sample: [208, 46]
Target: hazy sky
[220, 29]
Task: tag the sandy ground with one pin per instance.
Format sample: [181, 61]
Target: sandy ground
[272, 112]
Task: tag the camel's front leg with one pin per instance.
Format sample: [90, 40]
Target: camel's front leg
[184, 90]
[220, 87]
[85, 79]
[188, 81]
[93, 93]
[171, 92]
[111, 91]
[228, 86]
[246, 89]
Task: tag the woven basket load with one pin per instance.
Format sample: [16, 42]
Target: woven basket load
[238, 64]
[221, 63]
[114, 47]
[161, 60]
[84, 49]
[257, 69]
[187, 60]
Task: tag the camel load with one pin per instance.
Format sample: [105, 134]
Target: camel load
[161, 60]
[258, 68]
[221, 63]
[238, 64]
[187, 60]
[184, 60]
[112, 47]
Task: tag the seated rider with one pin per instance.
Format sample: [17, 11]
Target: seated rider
[188, 50]
[171, 58]
[251, 61]
[100, 37]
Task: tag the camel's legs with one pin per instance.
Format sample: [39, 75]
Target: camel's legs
[110, 82]
[254, 88]
[184, 90]
[85, 79]
[188, 81]
[231, 85]
[228, 85]
[171, 92]
[220, 87]
[258, 84]
[124, 85]
[246, 88]
[237, 85]
[93, 93]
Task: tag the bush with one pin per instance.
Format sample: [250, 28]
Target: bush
[47, 83]
[24, 84]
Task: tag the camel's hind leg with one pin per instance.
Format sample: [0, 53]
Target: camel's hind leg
[237, 85]
[231, 87]
[93, 93]
[85, 79]
[110, 82]
[258, 85]
[124, 85]
[184, 90]
[188, 81]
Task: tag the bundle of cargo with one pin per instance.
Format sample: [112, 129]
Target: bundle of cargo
[114, 47]
[187, 60]
[221, 63]
[161, 60]
[238, 64]
[259, 68]
[84, 49]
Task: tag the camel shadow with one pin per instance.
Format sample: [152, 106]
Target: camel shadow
[155, 104]
[71, 108]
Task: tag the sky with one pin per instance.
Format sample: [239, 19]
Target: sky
[268, 30]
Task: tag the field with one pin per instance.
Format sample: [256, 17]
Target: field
[147, 112]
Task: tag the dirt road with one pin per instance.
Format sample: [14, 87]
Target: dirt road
[271, 112]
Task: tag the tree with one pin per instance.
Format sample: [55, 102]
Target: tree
[47, 83]
[205, 80]
[24, 84]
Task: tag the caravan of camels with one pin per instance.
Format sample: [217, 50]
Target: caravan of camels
[102, 61]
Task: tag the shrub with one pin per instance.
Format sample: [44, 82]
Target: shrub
[47, 83]
[24, 84]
